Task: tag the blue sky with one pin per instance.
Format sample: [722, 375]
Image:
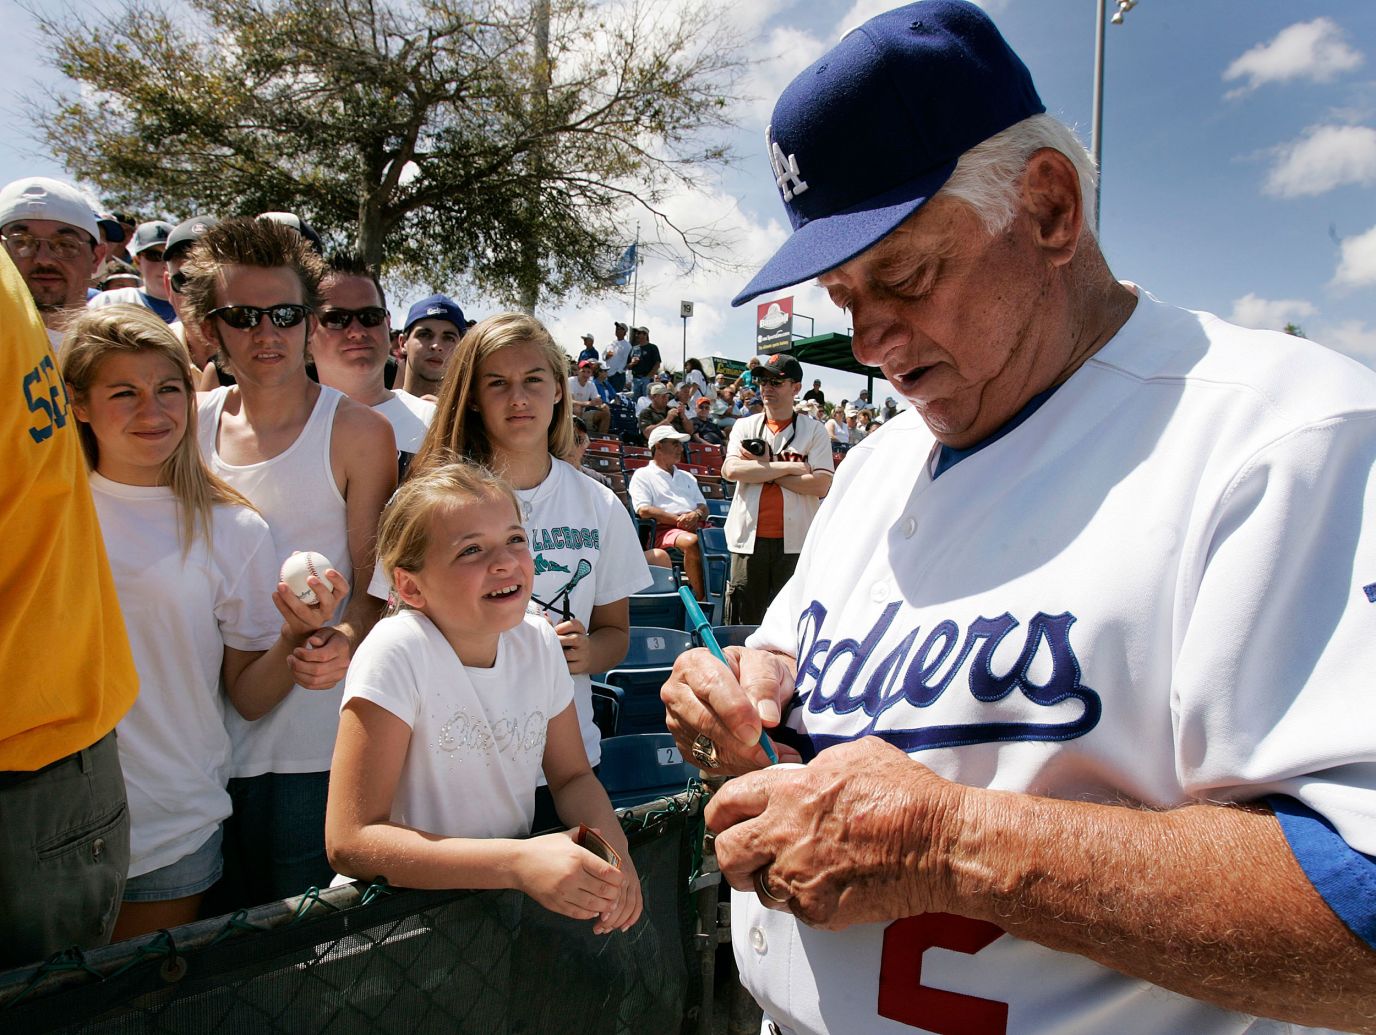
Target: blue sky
[1239, 161]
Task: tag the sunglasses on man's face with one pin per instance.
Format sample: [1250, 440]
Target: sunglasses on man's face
[339, 319]
[149, 255]
[178, 281]
[247, 317]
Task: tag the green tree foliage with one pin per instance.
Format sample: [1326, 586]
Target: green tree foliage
[1295, 329]
[419, 131]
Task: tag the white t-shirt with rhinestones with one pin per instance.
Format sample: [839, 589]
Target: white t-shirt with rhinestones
[477, 735]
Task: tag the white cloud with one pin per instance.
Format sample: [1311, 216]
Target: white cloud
[1324, 158]
[1306, 50]
[1357, 265]
[784, 53]
[1352, 338]
[1270, 314]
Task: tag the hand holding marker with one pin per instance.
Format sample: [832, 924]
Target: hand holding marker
[703, 629]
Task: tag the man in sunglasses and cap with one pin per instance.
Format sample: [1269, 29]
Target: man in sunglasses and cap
[350, 347]
[781, 463]
[148, 249]
[179, 242]
[1078, 651]
[51, 232]
[319, 467]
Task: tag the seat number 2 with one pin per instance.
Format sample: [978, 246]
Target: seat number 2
[904, 998]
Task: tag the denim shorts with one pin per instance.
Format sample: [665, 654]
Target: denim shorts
[189, 875]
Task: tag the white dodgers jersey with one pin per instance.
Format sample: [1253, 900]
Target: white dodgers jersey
[1157, 589]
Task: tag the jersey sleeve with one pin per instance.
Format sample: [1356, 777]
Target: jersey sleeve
[387, 669]
[242, 544]
[621, 569]
[1278, 633]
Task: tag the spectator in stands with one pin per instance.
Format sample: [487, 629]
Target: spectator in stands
[618, 354]
[505, 405]
[815, 393]
[890, 410]
[863, 402]
[115, 274]
[203, 351]
[50, 232]
[838, 427]
[586, 400]
[705, 430]
[669, 495]
[580, 448]
[781, 462]
[405, 805]
[662, 412]
[350, 349]
[724, 408]
[604, 390]
[643, 362]
[747, 378]
[434, 328]
[207, 616]
[694, 375]
[148, 249]
[859, 427]
[589, 350]
[318, 466]
[68, 672]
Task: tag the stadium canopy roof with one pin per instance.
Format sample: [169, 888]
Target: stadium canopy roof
[829, 350]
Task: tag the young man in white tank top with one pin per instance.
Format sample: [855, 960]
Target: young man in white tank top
[319, 467]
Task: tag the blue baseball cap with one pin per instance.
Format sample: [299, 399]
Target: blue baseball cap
[864, 137]
[436, 307]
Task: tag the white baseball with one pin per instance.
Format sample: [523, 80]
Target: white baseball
[300, 566]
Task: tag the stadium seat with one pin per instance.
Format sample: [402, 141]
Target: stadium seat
[718, 509]
[606, 708]
[711, 487]
[732, 635]
[716, 562]
[637, 768]
[649, 659]
[659, 604]
[632, 463]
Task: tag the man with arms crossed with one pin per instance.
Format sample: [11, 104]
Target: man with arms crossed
[1078, 651]
[319, 467]
[779, 491]
[350, 349]
[669, 496]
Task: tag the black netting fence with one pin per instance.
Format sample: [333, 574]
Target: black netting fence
[377, 959]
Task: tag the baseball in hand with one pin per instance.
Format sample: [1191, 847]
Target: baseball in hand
[301, 566]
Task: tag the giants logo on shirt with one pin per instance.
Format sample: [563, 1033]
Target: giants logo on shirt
[848, 676]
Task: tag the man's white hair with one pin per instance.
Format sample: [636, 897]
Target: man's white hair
[987, 175]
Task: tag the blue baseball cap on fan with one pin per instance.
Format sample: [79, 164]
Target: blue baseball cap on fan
[864, 137]
[436, 307]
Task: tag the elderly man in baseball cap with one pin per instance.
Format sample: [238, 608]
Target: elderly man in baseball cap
[51, 232]
[434, 327]
[1067, 643]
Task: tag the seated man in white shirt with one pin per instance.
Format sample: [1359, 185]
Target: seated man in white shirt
[587, 400]
[671, 498]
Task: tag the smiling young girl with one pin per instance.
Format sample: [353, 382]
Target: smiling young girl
[452, 709]
[185, 549]
[504, 406]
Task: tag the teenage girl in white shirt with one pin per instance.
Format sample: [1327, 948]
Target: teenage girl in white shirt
[184, 548]
[452, 709]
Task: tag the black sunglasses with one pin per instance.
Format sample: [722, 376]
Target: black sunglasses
[339, 319]
[178, 281]
[247, 317]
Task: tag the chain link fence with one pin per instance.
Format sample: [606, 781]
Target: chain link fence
[355, 959]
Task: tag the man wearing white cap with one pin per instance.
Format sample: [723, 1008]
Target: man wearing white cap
[147, 248]
[671, 498]
[1078, 651]
[50, 231]
[589, 350]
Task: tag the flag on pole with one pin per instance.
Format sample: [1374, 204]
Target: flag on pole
[625, 267]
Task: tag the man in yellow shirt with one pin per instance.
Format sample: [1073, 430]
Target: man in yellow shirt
[64, 828]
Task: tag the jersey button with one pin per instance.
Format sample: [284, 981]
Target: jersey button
[909, 527]
[757, 940]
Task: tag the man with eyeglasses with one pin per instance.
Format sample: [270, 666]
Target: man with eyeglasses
[175, 249]
[434, 328]
[50, 231]
[670, 497]
[781, 462]
[149, 252]
[319, 467]
[350, 349]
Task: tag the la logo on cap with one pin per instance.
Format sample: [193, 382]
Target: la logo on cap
[786, 173]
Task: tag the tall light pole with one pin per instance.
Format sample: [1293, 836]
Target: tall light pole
[1096, 139]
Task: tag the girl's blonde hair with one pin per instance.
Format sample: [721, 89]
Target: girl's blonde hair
[403, 534]
[96, 334]
[457, 431]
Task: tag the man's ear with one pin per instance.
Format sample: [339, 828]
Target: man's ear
[1051, 198]
[408, 589]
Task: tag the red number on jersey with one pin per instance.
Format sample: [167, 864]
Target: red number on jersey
[903, 997]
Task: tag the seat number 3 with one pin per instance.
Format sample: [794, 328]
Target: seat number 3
[904, 998]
